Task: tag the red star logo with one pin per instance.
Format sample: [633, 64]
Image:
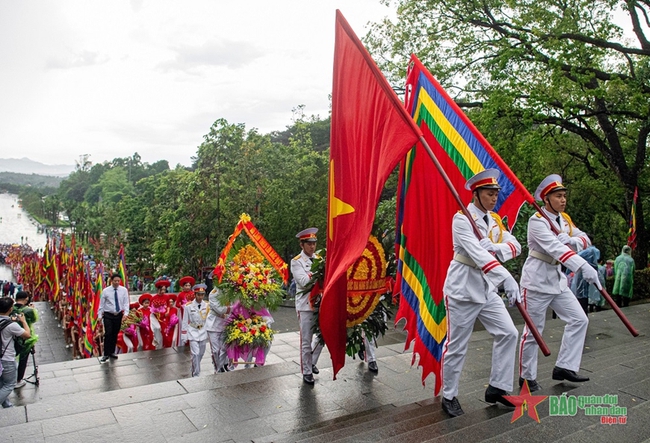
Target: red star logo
[525, 402]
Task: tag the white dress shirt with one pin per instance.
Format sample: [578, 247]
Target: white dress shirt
[107, 301]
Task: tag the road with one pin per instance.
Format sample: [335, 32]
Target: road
[17, 225]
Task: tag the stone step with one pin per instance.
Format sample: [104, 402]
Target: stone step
[345, 422]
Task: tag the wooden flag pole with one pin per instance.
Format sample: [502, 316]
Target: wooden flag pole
[529, 323]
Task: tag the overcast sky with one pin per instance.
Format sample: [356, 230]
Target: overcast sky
[110, 78]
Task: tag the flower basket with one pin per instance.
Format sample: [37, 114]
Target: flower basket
[247, 333]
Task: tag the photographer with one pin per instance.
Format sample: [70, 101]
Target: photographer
[24, 347]
[10, 330]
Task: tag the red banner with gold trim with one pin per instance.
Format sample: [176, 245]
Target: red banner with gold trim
[245, 224]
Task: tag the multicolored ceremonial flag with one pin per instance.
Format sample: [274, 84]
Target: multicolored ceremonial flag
[425, 208]
[631, 233]
[121, 267]
[98, 288]
[370, 133]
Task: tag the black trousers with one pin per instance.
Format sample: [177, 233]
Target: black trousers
[22, 367]
[112, 325]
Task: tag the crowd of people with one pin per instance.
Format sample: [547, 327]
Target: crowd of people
[154, 321]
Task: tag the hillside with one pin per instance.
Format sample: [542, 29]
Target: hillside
[27, 166]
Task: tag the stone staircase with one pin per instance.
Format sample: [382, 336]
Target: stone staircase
[148, 396]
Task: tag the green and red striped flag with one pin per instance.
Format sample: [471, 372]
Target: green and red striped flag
[121, 267]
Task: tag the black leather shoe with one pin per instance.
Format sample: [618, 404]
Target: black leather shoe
[114, 356]
[314, 369]
[493, 395]
[308, 378]
[452, 407]
[225, 368]
[532, 384]
[565, 374]
[372, 367]
[104, 359]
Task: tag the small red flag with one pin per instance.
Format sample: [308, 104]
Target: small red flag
[370, 133]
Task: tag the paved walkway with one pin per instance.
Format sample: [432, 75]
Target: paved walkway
[149, 396]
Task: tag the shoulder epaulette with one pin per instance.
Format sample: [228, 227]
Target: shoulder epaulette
[296, 257]
[538, 215]
[188, 303]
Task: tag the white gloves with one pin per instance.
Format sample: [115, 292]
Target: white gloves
[564, 238]
[487, 244]
[512, 290]
[590, 275]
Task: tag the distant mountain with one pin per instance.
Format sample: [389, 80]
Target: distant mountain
[27, 166]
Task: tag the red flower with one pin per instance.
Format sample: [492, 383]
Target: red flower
[262, 329]
[253, 332]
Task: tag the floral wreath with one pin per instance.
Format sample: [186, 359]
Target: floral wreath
[373, 326]
[252, 282]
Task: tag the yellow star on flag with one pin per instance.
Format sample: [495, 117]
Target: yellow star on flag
[337, 206]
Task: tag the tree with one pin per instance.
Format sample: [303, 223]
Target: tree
[557, 74]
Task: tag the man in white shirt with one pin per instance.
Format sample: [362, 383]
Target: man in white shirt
[113, 306]
[10, 330]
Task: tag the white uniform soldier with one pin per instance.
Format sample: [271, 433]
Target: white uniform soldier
[471, 292]
[215, 325]
[544, 284]
[301, 271]
[193, 327]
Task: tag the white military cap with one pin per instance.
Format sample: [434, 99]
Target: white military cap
[308, 234]
[552, 183]
[484, 179]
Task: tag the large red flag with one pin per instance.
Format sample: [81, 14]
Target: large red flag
[370, 133]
